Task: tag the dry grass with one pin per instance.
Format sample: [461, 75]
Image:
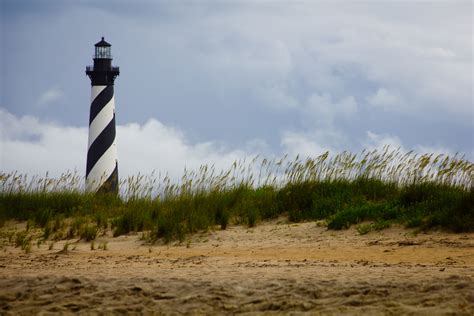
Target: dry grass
[418, 190]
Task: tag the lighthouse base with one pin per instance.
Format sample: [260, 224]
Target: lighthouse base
[111, 184]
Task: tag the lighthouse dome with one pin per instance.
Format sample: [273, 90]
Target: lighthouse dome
[102, 43]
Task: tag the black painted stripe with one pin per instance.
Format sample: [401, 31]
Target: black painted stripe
[100, 145]
[111, 184]
[100, 101]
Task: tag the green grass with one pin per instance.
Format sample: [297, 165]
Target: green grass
[88, 233]
[373, 190]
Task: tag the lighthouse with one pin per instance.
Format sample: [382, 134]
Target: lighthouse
[102, 165]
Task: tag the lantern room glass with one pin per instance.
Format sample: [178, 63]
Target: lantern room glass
[103, 52]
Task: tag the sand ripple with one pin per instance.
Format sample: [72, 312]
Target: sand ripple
[287, 269]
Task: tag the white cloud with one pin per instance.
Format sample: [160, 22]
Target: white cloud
[18, 128]
[306, 59]
[378, 141]
[51, 95]
[437, 150]
[426, 63]
[310, 143]
[385, 99]
[323, 110]
[322, 133]
[154, 146]
[34, 148]
[374, 141]
[302, 58]
[297, 144]
[277, 97]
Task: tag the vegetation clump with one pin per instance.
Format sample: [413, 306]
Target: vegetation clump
[374, 189]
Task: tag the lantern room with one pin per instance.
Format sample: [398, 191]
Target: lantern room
[102, 72]
[103, 50]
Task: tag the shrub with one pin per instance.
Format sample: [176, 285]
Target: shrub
[385, 187]
[88, 233]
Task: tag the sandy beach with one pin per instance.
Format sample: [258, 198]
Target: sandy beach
[275, 267]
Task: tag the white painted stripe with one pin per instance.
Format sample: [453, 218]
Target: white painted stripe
[101, 121]
[95, 91]
[102, 169]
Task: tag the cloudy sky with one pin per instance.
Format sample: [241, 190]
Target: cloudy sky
[215, 81]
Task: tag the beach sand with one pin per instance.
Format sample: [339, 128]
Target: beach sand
[275, 267]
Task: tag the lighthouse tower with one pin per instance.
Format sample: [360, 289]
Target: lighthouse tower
[102, 166]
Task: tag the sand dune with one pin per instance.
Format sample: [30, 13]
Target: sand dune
[273, 268]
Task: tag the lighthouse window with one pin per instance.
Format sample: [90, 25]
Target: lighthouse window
[102, 52]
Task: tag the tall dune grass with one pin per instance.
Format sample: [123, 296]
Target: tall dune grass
[386, 186]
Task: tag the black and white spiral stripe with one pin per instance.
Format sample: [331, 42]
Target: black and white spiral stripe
[102, 167]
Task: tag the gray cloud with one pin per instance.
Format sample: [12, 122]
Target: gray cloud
[31, 146]
[320, 75]
[34, 147]
[51, 95]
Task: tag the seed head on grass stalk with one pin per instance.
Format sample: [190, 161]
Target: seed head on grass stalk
[217, 195]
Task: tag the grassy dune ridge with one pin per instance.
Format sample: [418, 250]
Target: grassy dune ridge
[373, 189]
